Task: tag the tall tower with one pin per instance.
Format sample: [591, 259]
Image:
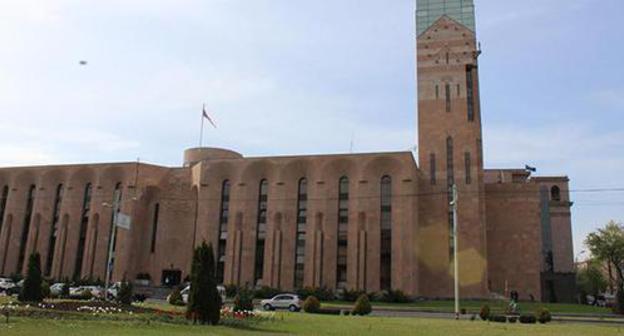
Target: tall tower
[450, 146]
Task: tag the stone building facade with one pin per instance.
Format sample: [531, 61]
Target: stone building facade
[355, 221]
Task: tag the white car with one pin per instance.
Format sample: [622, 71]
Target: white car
[291, 302]
[6, 283]
[185, 293]
[57, 289]
[96, 291]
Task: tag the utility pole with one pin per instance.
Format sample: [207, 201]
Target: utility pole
[111, 242]
[453, 205]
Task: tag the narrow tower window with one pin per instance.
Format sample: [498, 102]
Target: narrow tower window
[432, 167]
[468, 164]
[82, 237]
[155, 227]
[25, 228]
[224, 217]
[385, 272]
[555, 193]
[437, 91]
[261, 231]
[470, 92]
[343, 225]
[3, 202]
[448, 97]
[302, 218]
[58, 199]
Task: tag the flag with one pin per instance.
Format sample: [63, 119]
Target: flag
[529, 168]
[205, 115]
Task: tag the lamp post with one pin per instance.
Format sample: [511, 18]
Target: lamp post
[453, 205]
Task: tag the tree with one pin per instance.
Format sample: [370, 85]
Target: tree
[125, 291]
[31, 292]
[592, 281]
[204, 303]
[607, 245]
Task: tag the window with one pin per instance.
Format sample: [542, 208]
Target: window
[224, 216]
[155, 227]
[437, 91]
[58, 199]
[450, 176]
[261, 231]
[432, 167]
[385, 272]
[458, 90]
[470, 92]
[25, 228]
[448, 97]
[3, 202]
[343, 224]
[302, 217]
[82, 238]
[555, 193]
[468, 163]
[447, 58]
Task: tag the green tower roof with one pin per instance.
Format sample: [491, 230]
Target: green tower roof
[429, 11]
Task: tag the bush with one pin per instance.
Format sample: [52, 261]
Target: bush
[498, 318]
[85, 295]
[362, 306]
[485, 312]
[512, 319]
[31, 292]
[124, 295]
[266, 292]
[394, 296]
[321, 293]
[528, 319]
[352, 295]
[619, 301]
[45, 289]
[231, 290]
[311, 305]
[543, 316]
[243, 300]
[175, 298]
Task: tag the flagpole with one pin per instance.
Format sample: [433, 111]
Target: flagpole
[201, 130]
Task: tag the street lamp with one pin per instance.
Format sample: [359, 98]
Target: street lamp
[453, 205]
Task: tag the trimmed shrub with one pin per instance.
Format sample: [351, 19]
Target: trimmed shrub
[266, 292]
[311, 305]
[175, 298]
[498, 318]
[543, 316]
[352, 295]
[124, 296]
[362, 306]
[321, 293]
[512, 319]
[243, 300]
[485, 312]
[394, 296]
[527, 319]
[31, 292]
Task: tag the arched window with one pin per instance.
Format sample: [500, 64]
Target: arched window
[82, 235]
[224, 215]
[25, 228]
[56, 211]
[555, 193]
[385, 272]
[343, 226]
[3, 202]
[263, 196]
[302, 217]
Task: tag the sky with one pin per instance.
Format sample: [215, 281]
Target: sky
[292, 77]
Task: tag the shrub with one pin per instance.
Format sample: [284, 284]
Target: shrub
[352, 295]
[394, 296]
[243, 300]
[266, 292]
[311, 305]
[619, 301]
[85, 295]
[528, 319]
[65, 291]
[175, 298]
[543, 316]
[498, 318]
[321, 293]
[231, 290]
[45, 289]
[362, 306]
[31, 292]
[124, 296]
[485, 312]
[512, 319]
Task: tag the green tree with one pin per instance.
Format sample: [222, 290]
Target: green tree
[607, 245]
[591, 280]
[32, 292]
[125, 292]
[204, 303]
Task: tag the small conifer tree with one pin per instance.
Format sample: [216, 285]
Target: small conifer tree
[32, 292]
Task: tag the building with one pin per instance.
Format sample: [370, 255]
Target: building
[359, 221]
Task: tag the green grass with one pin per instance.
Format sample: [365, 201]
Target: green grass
[304, 324]
[475, 306]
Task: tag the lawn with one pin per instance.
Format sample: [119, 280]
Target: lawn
[475, 306]
[303, 324]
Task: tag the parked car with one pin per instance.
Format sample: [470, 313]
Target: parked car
[291, 302]
[6, 283]
[187, 290]
[96, 291]
[57, 289]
